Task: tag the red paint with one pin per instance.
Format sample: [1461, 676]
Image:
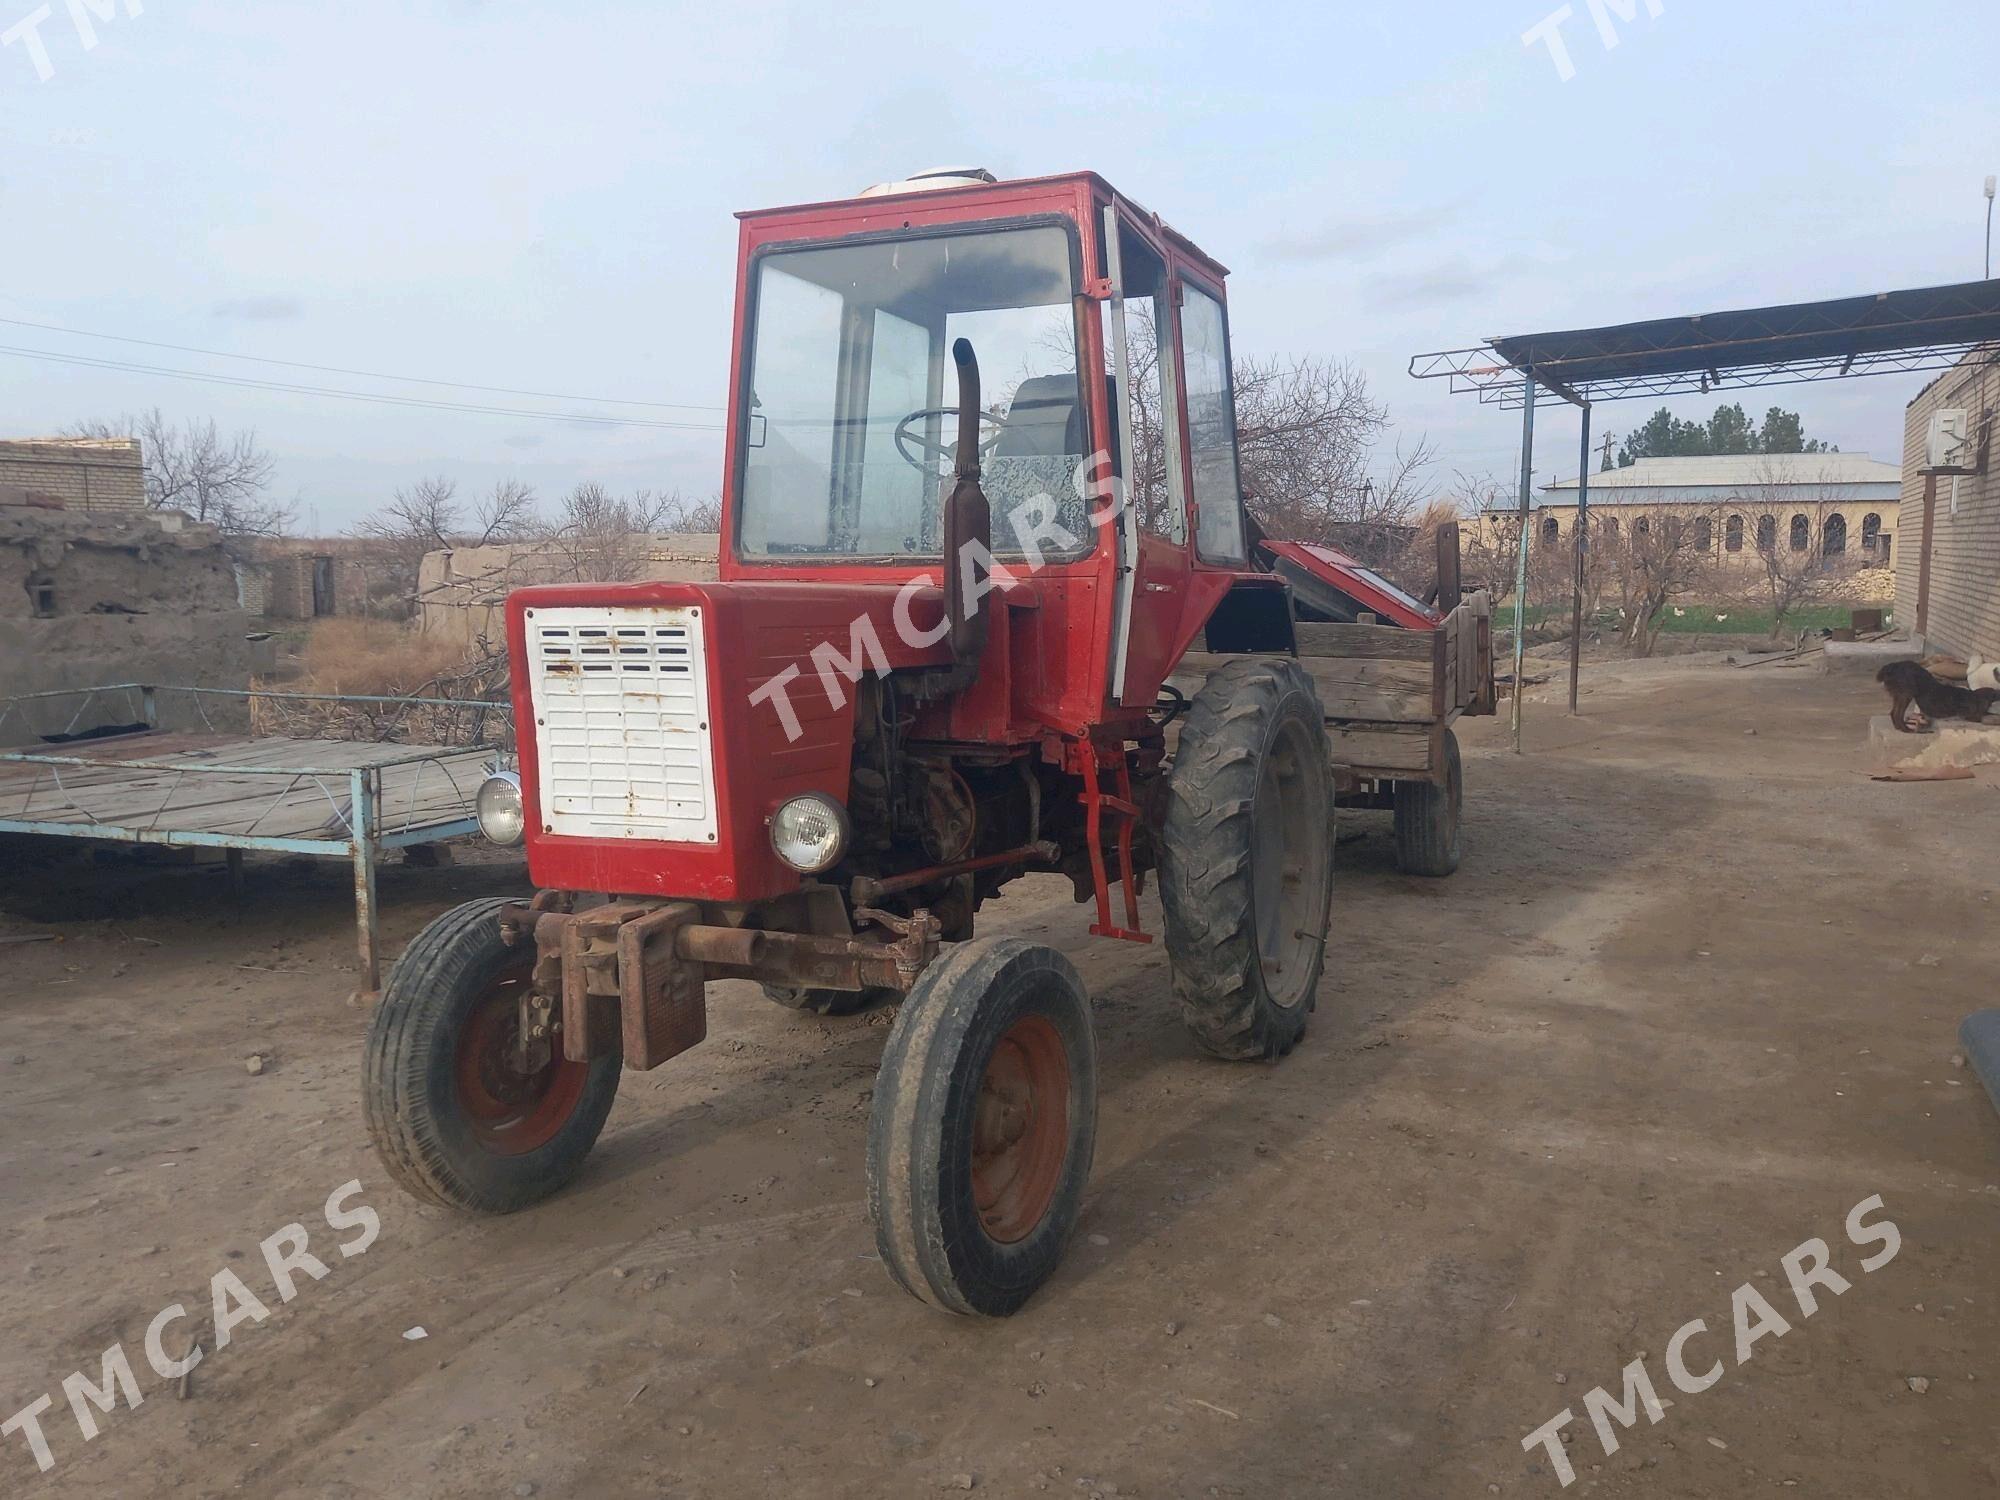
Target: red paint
[1353, 580]
[754, 632]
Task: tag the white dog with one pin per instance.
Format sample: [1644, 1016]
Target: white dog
[1982, 674]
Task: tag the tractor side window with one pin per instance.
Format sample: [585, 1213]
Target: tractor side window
[1156, 486]
[1211, 407]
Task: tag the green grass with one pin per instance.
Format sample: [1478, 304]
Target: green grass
[1700, 619]
[1693, 619]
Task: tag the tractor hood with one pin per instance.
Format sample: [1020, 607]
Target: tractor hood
[661, 724]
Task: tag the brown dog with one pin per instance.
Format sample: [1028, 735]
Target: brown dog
[1909, 683]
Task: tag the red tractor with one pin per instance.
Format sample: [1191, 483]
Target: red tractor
[981, 499]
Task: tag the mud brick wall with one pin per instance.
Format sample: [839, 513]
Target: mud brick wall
[90, 598]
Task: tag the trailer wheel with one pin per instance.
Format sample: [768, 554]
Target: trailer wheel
[1246, 858]
[823, 1002]
[984, 1120]
[1428, 837]
[452, 1117]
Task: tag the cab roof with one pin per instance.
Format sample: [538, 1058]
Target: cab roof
[1006, 194]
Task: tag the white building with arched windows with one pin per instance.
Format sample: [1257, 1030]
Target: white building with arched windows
[1837, 506]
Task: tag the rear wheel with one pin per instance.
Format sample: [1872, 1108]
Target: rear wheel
[1428, 837]
[822, 1002]
[984, 1121]
[452, 1114]
[1246, 858]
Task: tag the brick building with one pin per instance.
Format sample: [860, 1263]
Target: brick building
[84, 473]
[1964, 613]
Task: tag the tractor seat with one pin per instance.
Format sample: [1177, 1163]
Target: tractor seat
[1045, 438]
[1045, 421]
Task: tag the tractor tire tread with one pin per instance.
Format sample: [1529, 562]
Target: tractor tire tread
[1206, 844]
[1429, 839]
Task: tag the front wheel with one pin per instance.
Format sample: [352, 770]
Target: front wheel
[983, 1125]
[452, 1115]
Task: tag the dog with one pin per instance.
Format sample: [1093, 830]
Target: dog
[1909, 683]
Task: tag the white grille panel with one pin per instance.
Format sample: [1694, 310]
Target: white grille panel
[621, 723]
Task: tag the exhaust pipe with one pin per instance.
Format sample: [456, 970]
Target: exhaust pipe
[968, 518]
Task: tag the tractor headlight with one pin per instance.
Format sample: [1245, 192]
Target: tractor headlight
[810, 833]
[498, 808]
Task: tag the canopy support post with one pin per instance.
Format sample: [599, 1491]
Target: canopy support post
[1521, 561]
[1580, 539]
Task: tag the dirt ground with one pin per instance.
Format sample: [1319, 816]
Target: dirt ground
[1692, 997]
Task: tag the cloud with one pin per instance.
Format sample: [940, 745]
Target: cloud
[261, 309]
[524, 440]
[1456, 279]
[1448, 281]
[1354, 239]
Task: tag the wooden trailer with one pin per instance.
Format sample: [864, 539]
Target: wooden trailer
[1394, 674]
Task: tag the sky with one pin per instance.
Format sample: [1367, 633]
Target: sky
[540, 197]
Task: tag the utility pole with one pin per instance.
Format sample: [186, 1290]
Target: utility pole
[1607, 450]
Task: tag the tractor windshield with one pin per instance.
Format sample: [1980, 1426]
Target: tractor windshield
[853, 398]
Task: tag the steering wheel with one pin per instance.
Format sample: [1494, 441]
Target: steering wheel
[930, 453]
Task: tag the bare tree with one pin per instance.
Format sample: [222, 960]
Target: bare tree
[508, 513]
[600, 536]
[677, 514]
[1409, 555]
[1491, 557]
[422, 517]
[1639, 561]
[1656, 559]
[427, 516]
[193, 468]
[1307, 434]
[1803, 555]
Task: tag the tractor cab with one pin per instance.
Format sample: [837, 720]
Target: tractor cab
[1106, 440]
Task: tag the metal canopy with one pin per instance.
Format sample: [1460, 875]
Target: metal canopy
[1927, 328]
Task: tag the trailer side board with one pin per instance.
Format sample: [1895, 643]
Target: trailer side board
[1388, 693]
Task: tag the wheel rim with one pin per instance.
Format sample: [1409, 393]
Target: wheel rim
[510, 1112]
[1288, 843]
[1020, 1129]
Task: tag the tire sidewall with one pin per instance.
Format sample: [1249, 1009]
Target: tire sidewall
[435, 1000]
[1305, 707]
[944, 1038]
[1454, 799]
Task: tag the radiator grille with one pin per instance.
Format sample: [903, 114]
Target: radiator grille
[621, 723]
